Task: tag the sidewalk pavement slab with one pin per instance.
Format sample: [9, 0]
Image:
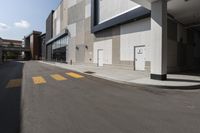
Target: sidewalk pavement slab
[175, 81]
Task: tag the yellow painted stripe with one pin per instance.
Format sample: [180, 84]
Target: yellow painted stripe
[14, 83]
[74, 75]
[58, 77]
[38, 80]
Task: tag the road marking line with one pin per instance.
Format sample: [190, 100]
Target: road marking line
[14, 83]
[74, 75]
[38, 80]
[58, 77]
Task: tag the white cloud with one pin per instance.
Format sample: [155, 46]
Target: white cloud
[4, 26]
[22, 24]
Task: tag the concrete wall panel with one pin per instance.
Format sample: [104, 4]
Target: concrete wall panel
[120, 6]
[80, 33]
[76, 13]
[135, 34]
[89, 40]
[88, 10]
[72, 51]
[49, 27]
[106, 46]
[80, 54]
[64, 16]
[71, 3]
[72, 30]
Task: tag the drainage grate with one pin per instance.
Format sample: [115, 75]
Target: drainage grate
[89, 72]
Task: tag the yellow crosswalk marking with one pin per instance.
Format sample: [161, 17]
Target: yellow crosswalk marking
[74, 75]
[58, 77]
[14, 83]
[38, 80]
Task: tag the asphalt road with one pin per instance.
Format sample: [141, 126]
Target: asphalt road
[65, 103]
[10, 96]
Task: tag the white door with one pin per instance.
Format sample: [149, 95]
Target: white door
[100, 57]
[140, 58]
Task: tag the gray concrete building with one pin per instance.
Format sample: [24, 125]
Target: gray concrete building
[56, 29]
[158, 36]
[49, 35]
[43, 46]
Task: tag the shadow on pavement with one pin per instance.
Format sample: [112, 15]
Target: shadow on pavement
[10, 96]
[189, 73]
[183, 80]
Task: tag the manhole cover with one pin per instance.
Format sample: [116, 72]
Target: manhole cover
[89, 72]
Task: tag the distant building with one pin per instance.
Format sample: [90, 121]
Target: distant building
[56, 33]
[10, 43]
[10, 49]
[33, 41]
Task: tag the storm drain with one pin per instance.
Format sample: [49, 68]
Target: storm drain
[89, 72]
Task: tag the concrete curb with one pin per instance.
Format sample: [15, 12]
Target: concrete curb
[182, 88]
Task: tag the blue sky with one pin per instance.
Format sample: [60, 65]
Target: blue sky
[20, 17]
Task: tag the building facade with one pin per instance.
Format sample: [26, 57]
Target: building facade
[56, 31]
[133, 34]
[33, 42]
[49, 35]
[10, 43]
[10, 49]
[43, 46]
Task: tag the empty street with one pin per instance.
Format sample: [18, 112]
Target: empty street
[63, 101]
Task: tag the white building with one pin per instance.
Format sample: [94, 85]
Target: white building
[152, 35]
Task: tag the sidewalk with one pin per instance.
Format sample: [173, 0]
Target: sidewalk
[133, 77]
